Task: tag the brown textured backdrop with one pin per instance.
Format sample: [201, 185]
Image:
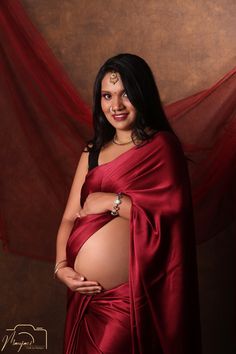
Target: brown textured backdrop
[189, 44]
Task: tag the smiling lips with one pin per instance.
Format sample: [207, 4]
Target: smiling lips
[120, 117]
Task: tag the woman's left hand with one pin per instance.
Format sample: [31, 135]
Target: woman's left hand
[97, 203]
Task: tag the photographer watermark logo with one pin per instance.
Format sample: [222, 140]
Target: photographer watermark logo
[25, 336]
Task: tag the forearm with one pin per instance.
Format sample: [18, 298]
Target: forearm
[62, 237]
[66, 274]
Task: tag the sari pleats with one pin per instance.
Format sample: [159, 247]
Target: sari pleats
[102, 324]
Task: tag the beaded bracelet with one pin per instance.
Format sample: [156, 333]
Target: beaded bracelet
[117, 202]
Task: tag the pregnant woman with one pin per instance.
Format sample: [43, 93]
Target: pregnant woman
[125, 246]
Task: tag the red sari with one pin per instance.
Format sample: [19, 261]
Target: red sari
[157, 312]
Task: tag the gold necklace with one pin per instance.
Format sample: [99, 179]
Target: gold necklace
[115, 142]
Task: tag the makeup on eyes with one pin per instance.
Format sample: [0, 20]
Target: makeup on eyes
[107, 93]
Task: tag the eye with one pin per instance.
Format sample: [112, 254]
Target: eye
[107, 96]
[125, 94]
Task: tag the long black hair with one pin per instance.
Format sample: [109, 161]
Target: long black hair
[141, 88]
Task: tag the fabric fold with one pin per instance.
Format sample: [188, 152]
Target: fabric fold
[163, 285]
[44, 124]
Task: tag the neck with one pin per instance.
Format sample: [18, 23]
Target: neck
[123, 136]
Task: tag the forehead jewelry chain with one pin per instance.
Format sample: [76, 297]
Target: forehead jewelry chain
[114, 78]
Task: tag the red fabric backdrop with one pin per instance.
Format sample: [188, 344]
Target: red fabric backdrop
[44, 124]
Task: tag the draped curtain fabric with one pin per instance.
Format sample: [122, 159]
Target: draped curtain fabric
[44, 125]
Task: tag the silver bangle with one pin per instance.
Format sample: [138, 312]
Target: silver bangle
[116, 206]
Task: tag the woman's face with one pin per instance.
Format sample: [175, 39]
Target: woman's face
[115, 103]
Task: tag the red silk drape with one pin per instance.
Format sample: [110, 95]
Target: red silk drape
[162, 286]
[44, 124]
[206, 126]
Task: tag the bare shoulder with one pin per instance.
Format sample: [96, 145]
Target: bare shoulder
[83, 162]
[84, 155]
[73, 203]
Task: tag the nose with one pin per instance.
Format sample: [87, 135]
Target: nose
[117, 103]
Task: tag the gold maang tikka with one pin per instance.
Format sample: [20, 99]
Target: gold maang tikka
[114, 77]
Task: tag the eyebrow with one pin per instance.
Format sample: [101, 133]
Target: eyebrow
[107, 91]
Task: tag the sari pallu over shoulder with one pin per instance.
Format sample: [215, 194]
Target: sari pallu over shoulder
[163, 284]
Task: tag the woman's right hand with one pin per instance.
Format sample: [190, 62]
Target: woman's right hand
[77, 282]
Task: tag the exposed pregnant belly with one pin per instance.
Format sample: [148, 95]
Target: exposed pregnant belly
[104, 257]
